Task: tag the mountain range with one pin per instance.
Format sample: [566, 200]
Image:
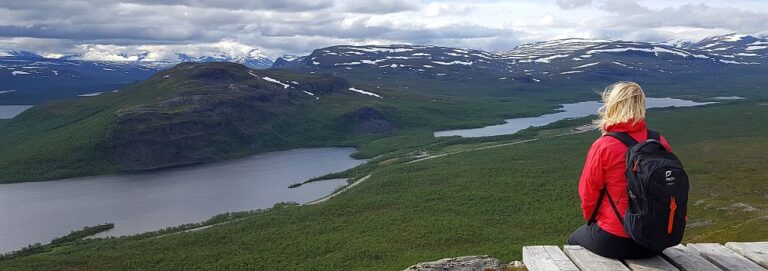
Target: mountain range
[29, 78]
[543, 61]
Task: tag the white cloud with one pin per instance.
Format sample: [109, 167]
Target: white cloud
[440, 9]
[379, 6]
[573, 4]
[299, 26]
[623, 6]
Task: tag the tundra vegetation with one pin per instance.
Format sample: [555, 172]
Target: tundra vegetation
[481, 198]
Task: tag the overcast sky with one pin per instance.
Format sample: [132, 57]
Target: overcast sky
[299, 26]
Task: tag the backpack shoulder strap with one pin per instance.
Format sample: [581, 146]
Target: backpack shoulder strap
[604, 192]
[597, 207]
[615, 210]
[624, 138]
[654, 135]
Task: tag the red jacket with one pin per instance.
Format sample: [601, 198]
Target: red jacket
[605, 167]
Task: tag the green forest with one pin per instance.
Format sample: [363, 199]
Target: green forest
[487, 197]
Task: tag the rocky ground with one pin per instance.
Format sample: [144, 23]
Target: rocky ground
[467, 263]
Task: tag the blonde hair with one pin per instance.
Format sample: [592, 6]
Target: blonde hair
[622, 102]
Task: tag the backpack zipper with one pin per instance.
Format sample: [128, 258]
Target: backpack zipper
[672, 208]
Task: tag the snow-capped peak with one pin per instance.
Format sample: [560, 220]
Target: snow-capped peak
[727, 39]
[18, 53]
[228, 51]
[679, 43]
[538, 50]
[256, 53]
[735, 37]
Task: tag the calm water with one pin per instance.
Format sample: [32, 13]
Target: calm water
[729, 98]
[41, 211]
[573, 110]
[10, 111]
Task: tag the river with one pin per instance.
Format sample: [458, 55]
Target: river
[40, 211]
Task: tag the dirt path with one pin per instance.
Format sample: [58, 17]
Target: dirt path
[199, 228]
[338, 192]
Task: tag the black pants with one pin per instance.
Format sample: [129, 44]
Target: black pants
[605, 244]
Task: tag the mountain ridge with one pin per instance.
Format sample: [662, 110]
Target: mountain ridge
[537, 61]
[727, 56]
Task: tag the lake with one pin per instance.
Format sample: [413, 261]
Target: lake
[10, 111]
[572, 110]
[40, 211]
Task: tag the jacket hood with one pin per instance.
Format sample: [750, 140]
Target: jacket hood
[629, 126]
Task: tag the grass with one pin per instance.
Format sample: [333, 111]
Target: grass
[490, 201]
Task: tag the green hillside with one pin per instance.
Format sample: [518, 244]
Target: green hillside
[478, 199]
[198, 113]
[195, 113]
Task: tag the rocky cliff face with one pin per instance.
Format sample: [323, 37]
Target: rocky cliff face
[368, 120]
[210, 112]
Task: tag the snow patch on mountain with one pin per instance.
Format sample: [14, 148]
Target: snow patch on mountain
[272, 80]
[365, 92]
[570, 72]
[90, 94]
[381, 49]
[456, 62]
[549, 58]
[372, 62]
[586, 65]
[655, 50]
[735, 37]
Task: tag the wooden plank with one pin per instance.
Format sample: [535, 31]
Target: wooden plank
[586, 260]
[650, 264]
[725, 258]
[547, 258]
[687, 259]
[755, 251]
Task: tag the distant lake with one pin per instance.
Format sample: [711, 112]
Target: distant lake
[728, 98]
[572, 110]
[10, 111]
[40, 211]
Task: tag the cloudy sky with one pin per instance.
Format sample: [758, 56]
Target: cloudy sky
[297, 26]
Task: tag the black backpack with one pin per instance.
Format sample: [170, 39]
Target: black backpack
[657, 188]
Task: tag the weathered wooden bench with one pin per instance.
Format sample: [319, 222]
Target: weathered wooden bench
[751, 256]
